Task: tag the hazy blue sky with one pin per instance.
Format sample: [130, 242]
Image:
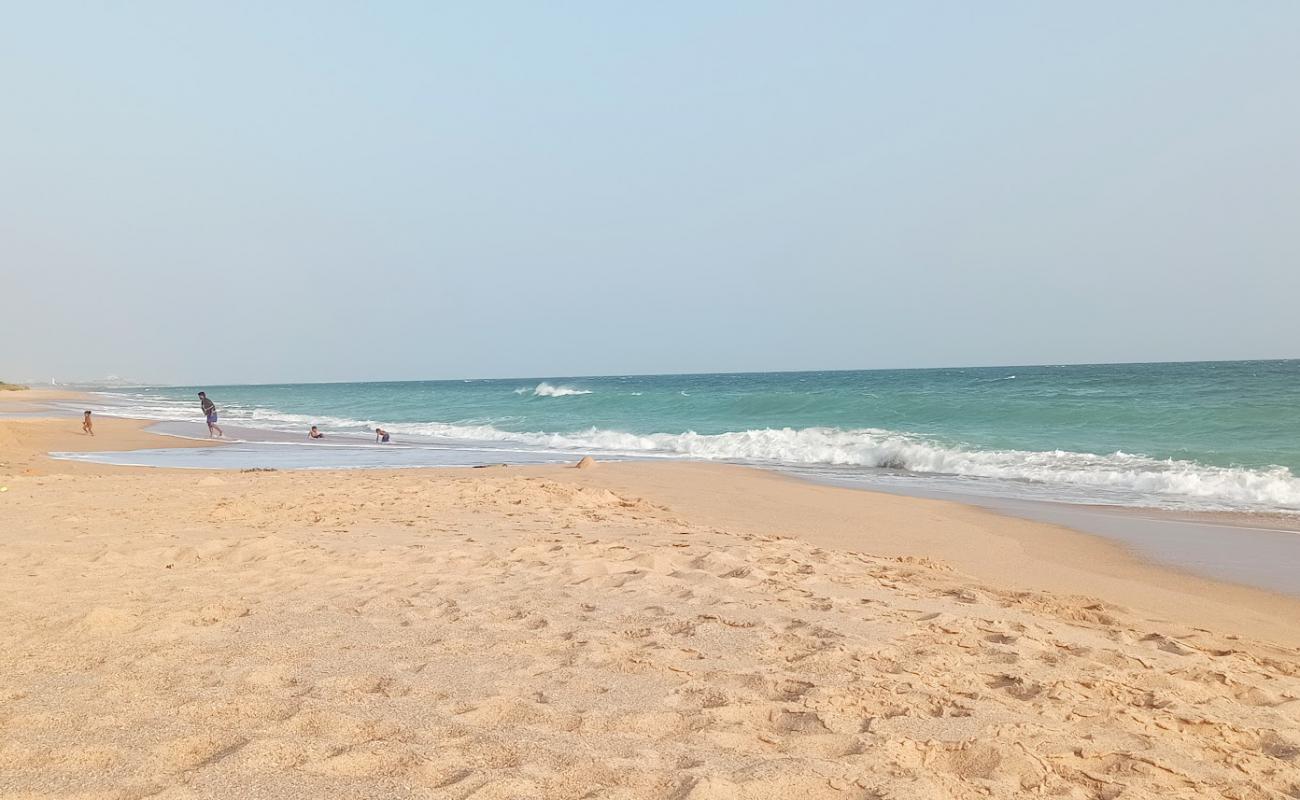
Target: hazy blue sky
[256, 191]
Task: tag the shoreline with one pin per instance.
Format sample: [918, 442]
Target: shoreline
[1117, 569]
[828, 436]
[1278, 521]
[1232, 548]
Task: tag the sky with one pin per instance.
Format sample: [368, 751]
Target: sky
[274, 192]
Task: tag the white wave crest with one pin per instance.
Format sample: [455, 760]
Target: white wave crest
[1232, 486]
[545, 389]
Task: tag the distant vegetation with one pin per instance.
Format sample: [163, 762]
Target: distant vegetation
[10, 387]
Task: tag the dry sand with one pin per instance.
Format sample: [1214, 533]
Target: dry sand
[627, 631]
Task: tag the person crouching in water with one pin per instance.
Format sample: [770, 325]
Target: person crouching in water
[315, 434]
[381, 435]
[87, 425]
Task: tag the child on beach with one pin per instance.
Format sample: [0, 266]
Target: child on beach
[315, 434]
[87, 425]
[381, 435]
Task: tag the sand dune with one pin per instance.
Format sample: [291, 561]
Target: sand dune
[492, 634]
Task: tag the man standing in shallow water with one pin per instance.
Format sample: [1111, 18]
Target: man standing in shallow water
[210, 412]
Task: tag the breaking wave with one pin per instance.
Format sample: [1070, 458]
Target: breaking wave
[1234, 486]
[545, 389]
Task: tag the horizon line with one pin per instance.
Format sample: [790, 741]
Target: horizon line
[130, 385]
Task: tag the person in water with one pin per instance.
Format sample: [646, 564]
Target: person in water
[210, 413]
[87, 425]
[381, 435]
[315, 434]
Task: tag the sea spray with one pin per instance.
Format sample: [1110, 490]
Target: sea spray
[547, 390]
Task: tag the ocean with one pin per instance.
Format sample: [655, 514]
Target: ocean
[1203, 436]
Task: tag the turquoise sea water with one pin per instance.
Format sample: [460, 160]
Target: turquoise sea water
[1222, 435]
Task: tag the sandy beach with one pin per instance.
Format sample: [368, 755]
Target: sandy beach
[628, 631]
[602, 401]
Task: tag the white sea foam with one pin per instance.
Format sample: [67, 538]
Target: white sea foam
[544, 389]
[1218, 486]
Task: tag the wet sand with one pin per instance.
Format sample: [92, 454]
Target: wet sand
[1240, 548]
